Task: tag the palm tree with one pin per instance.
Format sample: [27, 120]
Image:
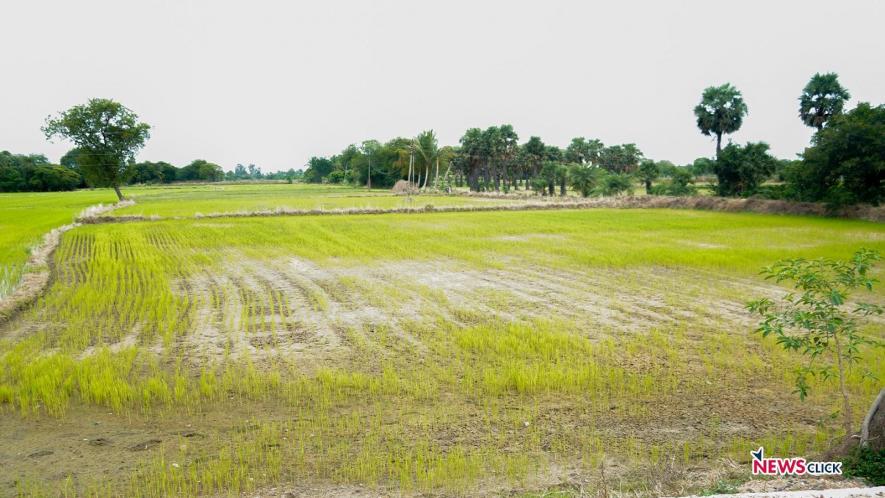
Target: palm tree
[722, 110]
[427, 151]
[821, 99]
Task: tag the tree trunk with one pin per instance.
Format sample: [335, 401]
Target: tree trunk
[550, 188]
[846, 405]
[119, 194]
[718, 144]
[436, 180]
[562, 186]
[426, 175]
[369, 179]
[648, 187]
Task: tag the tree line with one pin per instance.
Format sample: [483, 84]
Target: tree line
[492, 159]
[34, 173]
[844, 164]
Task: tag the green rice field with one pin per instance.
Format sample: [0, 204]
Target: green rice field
[26, 217]
[191, 200]
[457, 354]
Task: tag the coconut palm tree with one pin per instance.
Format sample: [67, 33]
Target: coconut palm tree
[427, 152]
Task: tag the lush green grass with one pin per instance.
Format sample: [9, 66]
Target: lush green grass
[26, 217]
[460, 376]
[190, 200]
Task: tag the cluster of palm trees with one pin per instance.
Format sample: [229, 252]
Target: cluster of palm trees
[485, 160]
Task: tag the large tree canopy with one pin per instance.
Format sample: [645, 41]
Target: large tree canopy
[821, 99]
[721, 111]
[846, 162]
[107, 136]
[620, 158]
[740, 169]
[33, 173]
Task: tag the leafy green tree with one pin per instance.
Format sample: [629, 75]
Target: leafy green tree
[507, 155]
[817, 319]
[69, 160]
[539, 185]
[620, 158]
[665, 167]
[611, 184]
[822, 98]
[721, 111]
[52, 178]
[318, 168]
[554, 173]
[533, 153]
[582, 178]
[680, 183]
[846, 162]
[11, 179]
[594, 149]
[34, 173]
[344, 161]
[201, 170]
[648, 172]
[498, 149]
[146, 172]
[583, 151]
[553, 153]
[703, 166]
[741, 170]
[108, 136]
[150, 172]
[473, 152]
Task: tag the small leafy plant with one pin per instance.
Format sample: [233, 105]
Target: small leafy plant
[816, 319]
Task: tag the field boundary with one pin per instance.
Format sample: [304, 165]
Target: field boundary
[38, 268]
[722, 204]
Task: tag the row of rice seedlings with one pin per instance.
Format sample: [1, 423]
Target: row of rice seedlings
[750, 358]
[546, 357]
[132, 379]
[10, 275]
[108, 287]
[788, 444]
[130, 271]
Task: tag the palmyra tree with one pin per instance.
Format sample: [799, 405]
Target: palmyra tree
[822, 98]
[721, 111]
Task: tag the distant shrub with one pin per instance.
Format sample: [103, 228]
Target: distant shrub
[680, 184]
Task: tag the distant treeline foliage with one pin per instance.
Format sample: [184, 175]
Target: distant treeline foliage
[34, 173]
[489, 160]
[845, 163]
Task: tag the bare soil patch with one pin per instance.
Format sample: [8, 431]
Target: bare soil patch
[309, 314]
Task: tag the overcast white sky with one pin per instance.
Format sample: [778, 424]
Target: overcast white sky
[275, 82]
